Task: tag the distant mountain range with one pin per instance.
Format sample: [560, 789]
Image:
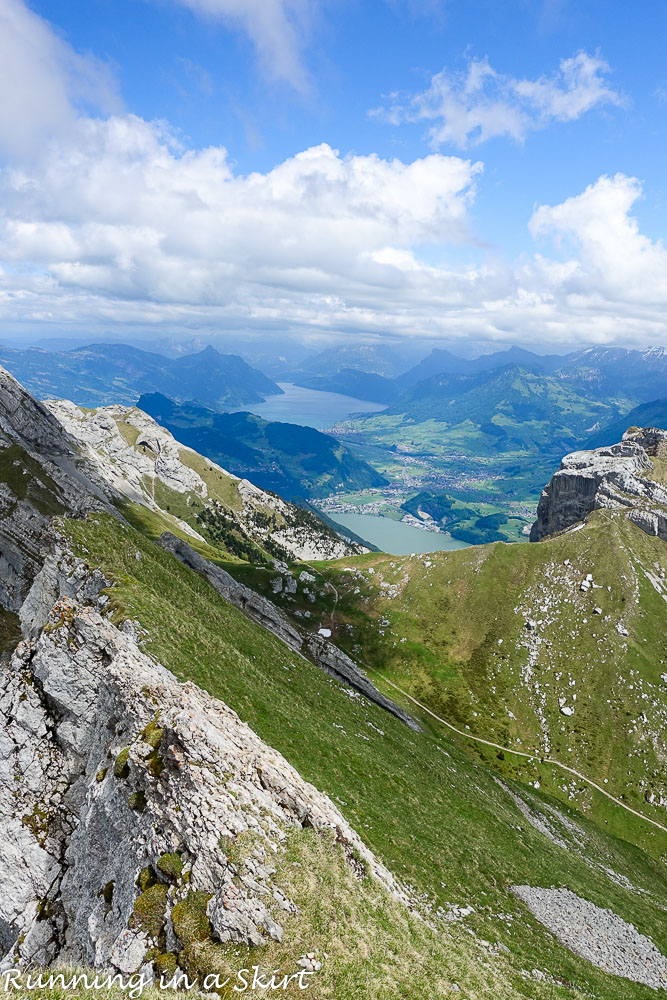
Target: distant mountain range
[507, 410]
[608, 372]
[293, 461]
[117, 373]
[512, 402]
[375, 359]
[440, 362]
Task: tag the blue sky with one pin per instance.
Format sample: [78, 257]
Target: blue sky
[204, 76]
[490, 109]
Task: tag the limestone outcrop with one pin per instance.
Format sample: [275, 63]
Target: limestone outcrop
[616, 478]
[42, 475]
[134, 790]
[139, 459]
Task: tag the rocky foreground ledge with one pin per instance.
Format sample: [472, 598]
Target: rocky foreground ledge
[134, 790]
[616, 478]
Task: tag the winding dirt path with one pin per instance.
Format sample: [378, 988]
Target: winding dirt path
[530, 756]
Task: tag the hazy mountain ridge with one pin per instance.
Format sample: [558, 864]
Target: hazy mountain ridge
[374, 359]
[103, 374]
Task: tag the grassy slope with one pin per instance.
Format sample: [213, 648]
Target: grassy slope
[437, 819]
[450, 629]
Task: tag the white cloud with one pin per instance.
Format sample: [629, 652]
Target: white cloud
[113, 222]
[278, 30]
[122, 226]
[43, 81]
[610, 257]
[124, 213]
[467, 108]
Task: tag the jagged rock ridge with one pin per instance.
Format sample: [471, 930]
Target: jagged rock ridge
[142, 461]
[616, 478]
[324, 653]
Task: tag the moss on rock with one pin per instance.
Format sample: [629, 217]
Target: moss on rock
[120, 767]
[149, 909]
[189, 918]
[170, 865]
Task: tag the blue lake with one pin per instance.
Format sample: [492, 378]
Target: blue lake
[395, 537]
[311, 407]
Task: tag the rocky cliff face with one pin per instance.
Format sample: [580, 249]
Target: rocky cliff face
[622, 476]
[41, 474]
[134, 789]
[142, 461]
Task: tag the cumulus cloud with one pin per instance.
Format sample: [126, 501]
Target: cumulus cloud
[610, 257]
[278, 30]
[44, 82]
[470, 107]
[123, 226]
[112, 221]
[125, 213]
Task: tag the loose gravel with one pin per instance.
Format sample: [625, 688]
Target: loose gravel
[599, 936]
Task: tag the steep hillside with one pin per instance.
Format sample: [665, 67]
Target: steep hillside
[143, 462]
[117, 373]
[556, 649]
[41, 474]
[373, 767]
[149, 828]
[288, 459]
